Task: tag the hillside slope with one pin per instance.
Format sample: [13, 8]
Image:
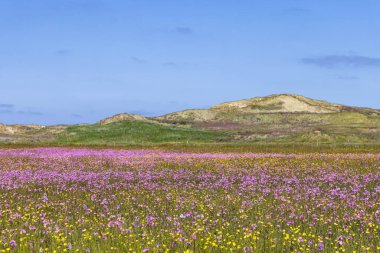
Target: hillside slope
[283, 103]
[287, 119]
[130, 132]
[122, 117]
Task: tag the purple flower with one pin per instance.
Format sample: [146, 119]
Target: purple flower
[320, 246]
[13, 243]
[45, 198]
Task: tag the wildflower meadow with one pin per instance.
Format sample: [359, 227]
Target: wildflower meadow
[104, 200]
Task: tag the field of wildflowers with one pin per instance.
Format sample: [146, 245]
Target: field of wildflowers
[84, 200]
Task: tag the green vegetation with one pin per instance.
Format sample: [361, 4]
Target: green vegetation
[268, 107]
[274, 120]
[134, 132]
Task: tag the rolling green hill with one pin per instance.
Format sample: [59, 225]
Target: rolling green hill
[132, 132]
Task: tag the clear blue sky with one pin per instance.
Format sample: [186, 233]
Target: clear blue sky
[73, 61]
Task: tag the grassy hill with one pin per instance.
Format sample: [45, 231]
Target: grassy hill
[277, 119]
[130, 132]
[274, 104]
[289, 119]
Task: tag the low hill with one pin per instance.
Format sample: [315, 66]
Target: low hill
[28, 133]
[122, 117]
[285, 118]
[276, 119]
[130, 132]
[280, 103]
[283, 103]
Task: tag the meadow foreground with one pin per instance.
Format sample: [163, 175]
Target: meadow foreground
[83, 200]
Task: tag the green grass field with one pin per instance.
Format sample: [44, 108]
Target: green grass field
[134, 132]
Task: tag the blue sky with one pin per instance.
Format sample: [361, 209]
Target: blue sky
[74, 61]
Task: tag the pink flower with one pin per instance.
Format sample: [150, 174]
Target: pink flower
[13, 244]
